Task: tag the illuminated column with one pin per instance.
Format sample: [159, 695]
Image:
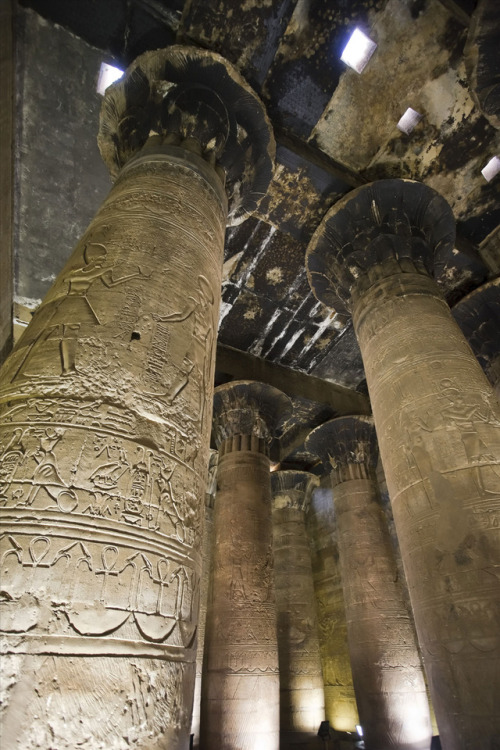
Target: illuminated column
[438, 428]
[340, 702]
[302, 701]
[240, 685]
[386, 669]
[105, 413]
[478, 315]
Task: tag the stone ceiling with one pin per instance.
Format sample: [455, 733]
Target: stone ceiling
[335, 129]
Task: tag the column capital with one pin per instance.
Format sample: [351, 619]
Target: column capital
[347, 446]
[194, 99]
[250, 409]
[292, 489]
[478, 316]
[481, 60]
[386, 228]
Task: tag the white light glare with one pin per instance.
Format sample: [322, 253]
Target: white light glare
[359, 730]
[491, 169]
[108, 74]
[358, 50]
[410, 119]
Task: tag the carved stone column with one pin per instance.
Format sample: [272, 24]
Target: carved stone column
[105, 409]
[340, 701]
[302, 700]
[478, 315]
[438, 428]
[240, 686]
[386, 669]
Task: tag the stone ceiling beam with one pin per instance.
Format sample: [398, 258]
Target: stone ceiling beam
[292, 382]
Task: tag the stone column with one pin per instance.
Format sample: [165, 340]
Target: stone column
[302, 700]
[386, 669]
[438, 428]
[340, 701]
[240, 685]
[478, 315]
[105, 409]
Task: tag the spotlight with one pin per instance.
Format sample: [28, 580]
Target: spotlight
[108, 74]
[358, 51]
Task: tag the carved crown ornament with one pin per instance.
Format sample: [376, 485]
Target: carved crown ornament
[395, 226]
[246, 407]
[185, 95]
[343, 441]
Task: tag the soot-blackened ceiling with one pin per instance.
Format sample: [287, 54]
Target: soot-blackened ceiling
[335, 130]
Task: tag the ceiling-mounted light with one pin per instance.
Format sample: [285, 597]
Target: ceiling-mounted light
[108, 74]
[491, 169]
[410, 119]
[358, 51]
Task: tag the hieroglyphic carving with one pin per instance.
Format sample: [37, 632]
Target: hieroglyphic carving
[79, 458]
[158, 591]
[63, 317]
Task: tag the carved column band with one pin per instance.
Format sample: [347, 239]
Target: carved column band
[240, 685]
[302, 701]
[438, 428]
[386, 669]
[105, 420]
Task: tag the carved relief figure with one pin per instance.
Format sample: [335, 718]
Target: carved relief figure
[76, 306]
[46, 473]
[465, 415]
[106, 475]
[167, 502]
[133, 509]
[200, 309]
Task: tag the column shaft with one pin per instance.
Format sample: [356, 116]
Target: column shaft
[438, 426]
[302, 703]
[387, 674]
[105, 435]
[340, 702]
[240, 689]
